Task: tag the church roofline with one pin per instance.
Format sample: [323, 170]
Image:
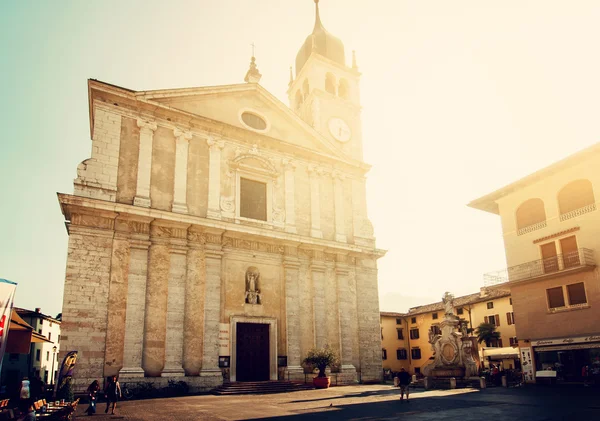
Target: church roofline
[148, 97]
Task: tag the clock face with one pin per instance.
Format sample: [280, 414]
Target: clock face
[339, 129]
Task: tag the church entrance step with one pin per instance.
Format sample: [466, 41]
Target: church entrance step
[257, 388]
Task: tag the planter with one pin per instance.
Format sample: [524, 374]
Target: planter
[321, 382]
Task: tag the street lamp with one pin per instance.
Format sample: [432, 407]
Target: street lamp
[54, 348]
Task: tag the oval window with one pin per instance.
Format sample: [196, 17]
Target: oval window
[254, 121]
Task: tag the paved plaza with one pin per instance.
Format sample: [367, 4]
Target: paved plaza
[377, 402]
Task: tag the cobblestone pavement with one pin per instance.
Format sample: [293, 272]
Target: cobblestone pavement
[376, 402]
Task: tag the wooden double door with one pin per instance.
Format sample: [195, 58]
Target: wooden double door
[252, 352]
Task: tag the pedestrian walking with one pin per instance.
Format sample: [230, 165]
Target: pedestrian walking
[404, 380]
[92, 392]
[112, 394]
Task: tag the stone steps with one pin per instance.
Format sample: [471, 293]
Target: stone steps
[259, 388]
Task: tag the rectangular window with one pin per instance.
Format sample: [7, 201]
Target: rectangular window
[253, 199]
[510, 301]
[37, 354]
[417, 370]
[436, 330]
[493, 320]
[401, 354]
[49, 336]
[41, 321]
[400, 333]
[47, 355]
[510, 318]
[576, 293]
[549, 257]
[570, 254]
[513, 341]
[415, 353]
[383, 354]
[459, 311]
[556, 298]
[398, 321]
[46, 376]
[490, 305]
[434, 316]
[414, 334]
[413, 320]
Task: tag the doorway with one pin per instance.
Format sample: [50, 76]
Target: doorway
[252, 352]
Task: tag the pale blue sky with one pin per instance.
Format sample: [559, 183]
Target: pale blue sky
[459, 98]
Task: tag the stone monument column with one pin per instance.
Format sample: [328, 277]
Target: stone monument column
[291, 265]
[182, 141]
[314, 174]
[117, 301]
[176, 304]
[317, 273]
[193, 322]
[346, 314]
[142, 192]
[136, 299]
[212, 306]
[290, 192]
[340, 222]
[214, 178]
[155, 323]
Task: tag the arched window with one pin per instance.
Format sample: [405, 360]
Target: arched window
[330, 83]
[305, 88]
[530, 213]
[343, 91]
[298, 99]
[575, 195]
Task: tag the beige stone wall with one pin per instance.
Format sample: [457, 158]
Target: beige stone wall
[128, 160]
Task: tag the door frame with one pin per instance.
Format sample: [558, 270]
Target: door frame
[272, 322]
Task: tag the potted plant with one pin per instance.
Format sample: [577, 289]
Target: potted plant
[321, 358]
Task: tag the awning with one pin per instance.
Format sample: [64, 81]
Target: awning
[508, 352]
[21, 335]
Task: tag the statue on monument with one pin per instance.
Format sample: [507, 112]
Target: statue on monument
[252, 285]
[448, 300]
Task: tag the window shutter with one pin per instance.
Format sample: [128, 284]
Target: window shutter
[485, 319]
[497, 317]
[500, 343]
[508, 318]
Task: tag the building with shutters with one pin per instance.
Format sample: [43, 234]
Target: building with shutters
[217, 233]
[551, 230]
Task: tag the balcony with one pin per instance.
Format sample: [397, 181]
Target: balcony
[560, 264]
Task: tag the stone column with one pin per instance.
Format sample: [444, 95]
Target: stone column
[314, 174]
[181, 165]
[317, 273]
[136, 300]
[345, 306]
[212, 306]
[290, 191]
[340, 222]
[142, 192]
[155, 323]
[368, 320]
[214, 178]
[117, 303]
[291, 265]
[175, 304]
[193, 321]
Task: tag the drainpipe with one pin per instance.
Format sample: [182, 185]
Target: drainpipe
[408, 350]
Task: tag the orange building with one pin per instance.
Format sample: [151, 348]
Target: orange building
[551, 229]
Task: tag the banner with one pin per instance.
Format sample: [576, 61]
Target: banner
[66, 370]
[7, 296]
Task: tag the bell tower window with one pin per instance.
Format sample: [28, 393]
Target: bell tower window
[305, 88]
[299, 99]
[330, 83]
[343, 89]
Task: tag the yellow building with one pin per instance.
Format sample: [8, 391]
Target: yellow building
[551, 229]
[487, 306]
[394, 341]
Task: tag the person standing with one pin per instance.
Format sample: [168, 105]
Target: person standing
[112, 393]
[92, 392]
[404, 380]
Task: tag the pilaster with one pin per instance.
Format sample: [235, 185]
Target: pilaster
[346, 303]
[317, 273]
[291, 265]
[290, 191]
[340, 223]
[314, 174]
[182, 139]
[214, 178]
[142, 192]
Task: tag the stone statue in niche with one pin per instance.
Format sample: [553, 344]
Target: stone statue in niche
[253, 286]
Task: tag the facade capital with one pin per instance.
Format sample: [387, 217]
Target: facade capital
[337, 175]
[182, 135]
[215, 144]
[315, 170]
[146, 125]
[288, 164]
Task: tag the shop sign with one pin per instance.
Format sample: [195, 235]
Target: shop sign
[527, 364]
[563, 341]
[224, 339]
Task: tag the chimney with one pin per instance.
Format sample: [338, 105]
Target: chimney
[38, 310]
[483, 292]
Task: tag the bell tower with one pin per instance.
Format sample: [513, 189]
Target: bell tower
[325, 92]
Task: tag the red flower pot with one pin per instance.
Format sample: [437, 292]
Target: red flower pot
[321, 382]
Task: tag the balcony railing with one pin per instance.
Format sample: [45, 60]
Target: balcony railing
[542, 267]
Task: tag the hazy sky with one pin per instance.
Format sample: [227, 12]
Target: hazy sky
[459, 98]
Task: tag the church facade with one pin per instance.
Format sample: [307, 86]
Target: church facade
[217, 233]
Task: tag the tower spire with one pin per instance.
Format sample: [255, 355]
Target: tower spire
[252, 75]
[291, 77]
[318, 24]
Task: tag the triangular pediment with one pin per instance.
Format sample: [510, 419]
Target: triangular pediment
[226, 104]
